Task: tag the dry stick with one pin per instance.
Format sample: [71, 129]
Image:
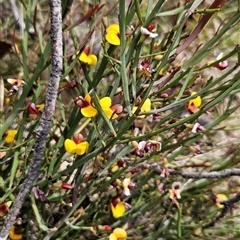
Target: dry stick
[196, 175]
[46, 118]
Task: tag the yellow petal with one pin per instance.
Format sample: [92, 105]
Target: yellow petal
[84, 58]
[220, 198]
[10, 135]
[89, 111]
[118, 210]
[92, 59]
[146, 105]
[70, 146]
[88, 99]
[112, 237]
[110, 113]
[134, 109]
[113, 39]
[13, 235]
[40, 106]
[196, 101]
[114, 28]
[105, 102]
[120, 233]
[82, 148]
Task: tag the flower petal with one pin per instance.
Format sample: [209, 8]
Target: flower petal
[105, 102]
[88, 99]
[92, 59]
[196, 102]
[84, 58]
[110, 113]
[144, 31]
[113, 28]
[10, 135]
[126, 192]
[134, 109]
[112, 237]
[153, 35]
[146, 105]
[40, 107]
[113, 39]
[120, 233]
[126, 182]
[89, 111]
[82, 148]
[118, 210]
[13, 235]
[220, 198]
[70, 146]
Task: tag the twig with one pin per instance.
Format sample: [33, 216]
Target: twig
[228, 204]
[196, 175]
[46, 118]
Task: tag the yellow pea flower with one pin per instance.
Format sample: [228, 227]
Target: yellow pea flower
[117, 234]
[194, 103]
[88, 58]
[145, 107]
[73, 148]
[88, 109]
[112, 35]
[219, 198]
[10, 135]
[118, 210]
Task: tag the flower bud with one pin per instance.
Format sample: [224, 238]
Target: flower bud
[32, 109]
[80, 102]
[66, 186]
[117, 108]
[77, 138]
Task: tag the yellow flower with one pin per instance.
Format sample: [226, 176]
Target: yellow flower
[13, 235]
[112, 35]
[90, 59]
[85, 57]
[106, 104]
[118, 210]
[88, 109]
[220, 198]
[118, 233]
[145, 107]
[194, 103]
[73, 148]
[10, 135]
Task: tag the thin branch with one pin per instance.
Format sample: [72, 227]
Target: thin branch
[46, 118]
[197, 175]
[228, 204]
